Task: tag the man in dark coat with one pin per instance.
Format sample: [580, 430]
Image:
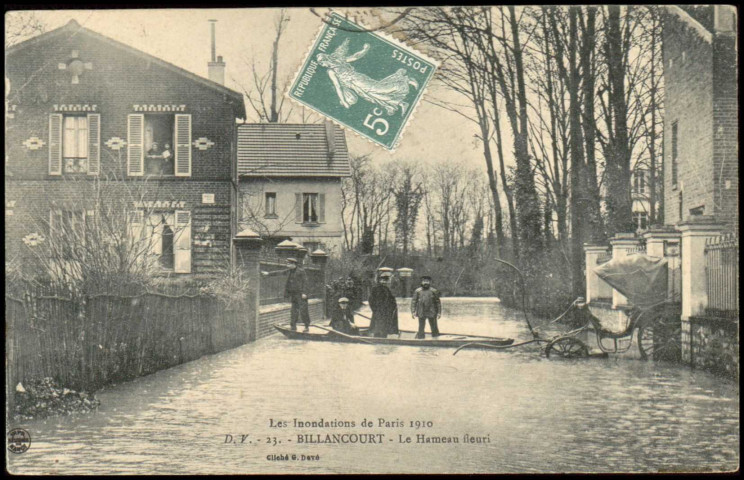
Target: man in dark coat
[384, 308]
[425, 304]
[342, 319]
[296, 292]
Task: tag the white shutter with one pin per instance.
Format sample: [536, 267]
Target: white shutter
[136, 224]
[55, 144]
[321, 208]
[183, 145]
[94, 143]
[182, 242]
[298, 208]
[135, 145]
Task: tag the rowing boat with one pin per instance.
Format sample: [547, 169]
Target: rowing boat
[320, 333]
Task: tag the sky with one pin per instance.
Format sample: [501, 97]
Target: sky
[244, 36]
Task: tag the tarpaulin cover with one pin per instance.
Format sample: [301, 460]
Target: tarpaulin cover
[641, 278]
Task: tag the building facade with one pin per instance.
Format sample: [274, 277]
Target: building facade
[290, 183]
[701, 175]
[96, 128]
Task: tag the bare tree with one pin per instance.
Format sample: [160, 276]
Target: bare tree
[408, 193]
[20, 26]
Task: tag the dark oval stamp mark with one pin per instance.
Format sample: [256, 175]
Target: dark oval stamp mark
[19, 440]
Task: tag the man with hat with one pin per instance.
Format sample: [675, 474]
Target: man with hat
[384, 308]
[342, 319]
[296, 292]
[426, 305]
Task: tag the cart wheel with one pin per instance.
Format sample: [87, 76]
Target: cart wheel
[661, 339]
[567, 347]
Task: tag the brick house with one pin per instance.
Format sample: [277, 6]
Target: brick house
[88, 117]
[290, 182]
[701, 171]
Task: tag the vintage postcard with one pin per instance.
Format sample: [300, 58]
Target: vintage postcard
[475, 240]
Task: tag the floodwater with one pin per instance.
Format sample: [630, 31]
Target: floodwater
[221, 414]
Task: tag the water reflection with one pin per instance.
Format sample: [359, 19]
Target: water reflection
[540, 415]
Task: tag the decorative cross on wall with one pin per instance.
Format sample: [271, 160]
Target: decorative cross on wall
[76, 66]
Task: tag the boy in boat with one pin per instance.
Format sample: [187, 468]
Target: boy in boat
[384, 308]
[342, 319]
[426, 305]
[295, 291]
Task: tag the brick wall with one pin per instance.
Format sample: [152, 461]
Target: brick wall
[715, 345]
[117, 81]
[33, 199]
[700, 76]
[726, 129]
[278, 314]
[688, 84]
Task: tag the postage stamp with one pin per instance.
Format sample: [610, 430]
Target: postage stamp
[363, 80]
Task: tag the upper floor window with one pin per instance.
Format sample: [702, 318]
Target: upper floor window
[310, 208]
[270, 198]
[639, 182]
[74, 144]
[159, 144]
[159, 140]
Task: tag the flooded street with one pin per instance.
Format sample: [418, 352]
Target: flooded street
[530, 414]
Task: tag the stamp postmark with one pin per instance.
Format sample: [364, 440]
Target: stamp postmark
[363, 80]
[19, 440]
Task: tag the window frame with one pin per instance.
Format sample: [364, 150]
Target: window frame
[307, 198]
[80, 140]
[148, 159]
[270, 207]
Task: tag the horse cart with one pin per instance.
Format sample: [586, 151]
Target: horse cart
[651, 316]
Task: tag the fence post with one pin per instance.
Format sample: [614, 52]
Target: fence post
[248, 248]
[694, 233]
[320, 259]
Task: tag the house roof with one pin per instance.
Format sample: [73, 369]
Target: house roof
[73, 28]
[291, 150]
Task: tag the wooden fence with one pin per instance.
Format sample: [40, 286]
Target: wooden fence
[722, 275]
[88, 342]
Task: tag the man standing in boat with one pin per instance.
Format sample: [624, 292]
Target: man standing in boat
[426, 305]
[384, 308]
[296, 292]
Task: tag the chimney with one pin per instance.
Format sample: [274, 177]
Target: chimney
[216, 66]
[330, 140]
[724, 18]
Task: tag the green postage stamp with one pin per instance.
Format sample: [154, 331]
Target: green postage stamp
[364, 81]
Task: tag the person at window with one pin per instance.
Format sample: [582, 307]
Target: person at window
[384, 308]
[342, 319]
[426, 305]
[296, 291]
[154, 150]
[167, 155]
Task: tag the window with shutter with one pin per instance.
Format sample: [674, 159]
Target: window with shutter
[183, 145]
[55, 144]
[135, 145]
[182, 242]
[321, 207]
[94, 143]
[298, 208]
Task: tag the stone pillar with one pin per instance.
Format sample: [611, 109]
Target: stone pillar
[319, 258]
[405, 275]
[663, 242]
[592, 253]
[694, 233]
[621, 243]
[301, 253]
[287, 249]
[248, 250]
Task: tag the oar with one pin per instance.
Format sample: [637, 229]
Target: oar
[345, 335]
